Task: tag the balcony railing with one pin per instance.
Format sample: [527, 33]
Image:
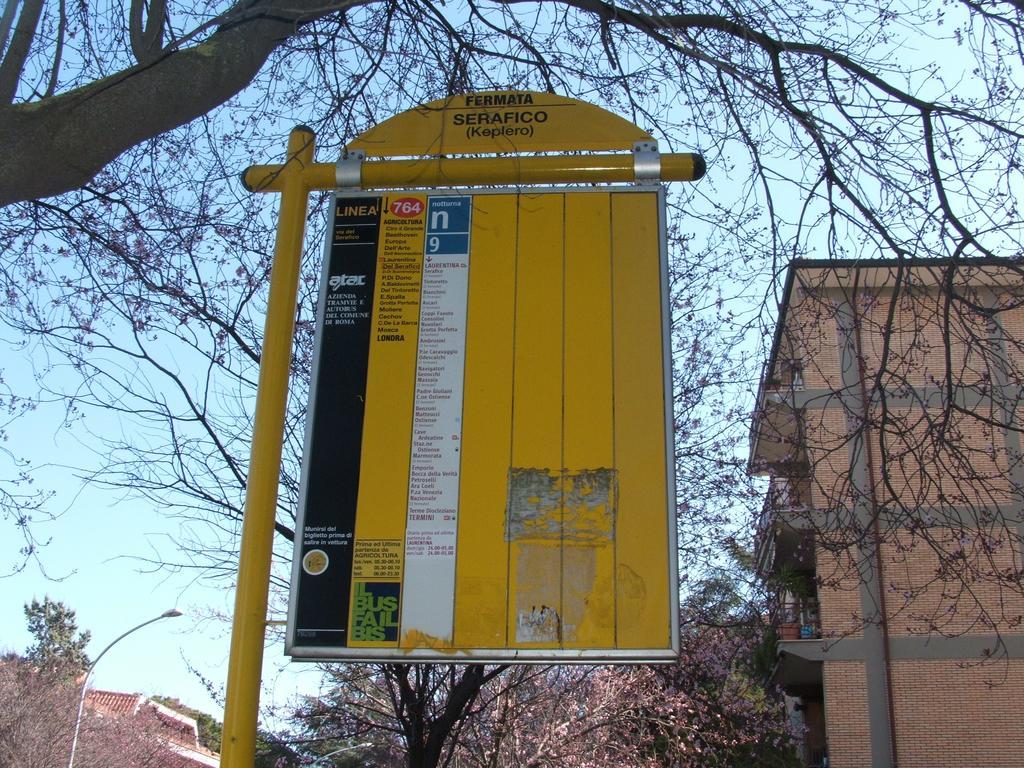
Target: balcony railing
[785, 493]
[800, 620]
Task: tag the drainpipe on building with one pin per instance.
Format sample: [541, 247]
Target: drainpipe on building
[875, 526]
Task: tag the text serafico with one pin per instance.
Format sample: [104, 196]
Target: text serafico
[500, 118]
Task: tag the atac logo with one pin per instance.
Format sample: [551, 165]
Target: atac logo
[406, 207]
[344, 281]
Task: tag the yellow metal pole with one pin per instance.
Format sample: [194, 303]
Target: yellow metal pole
[241, 709]
[485, 171]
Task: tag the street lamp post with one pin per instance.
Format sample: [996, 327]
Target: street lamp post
[169, 614]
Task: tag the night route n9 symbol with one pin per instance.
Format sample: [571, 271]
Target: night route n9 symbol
[407, 207]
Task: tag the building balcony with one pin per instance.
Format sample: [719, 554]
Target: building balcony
[777, 444]
[794, 672]
[800, 676]
[798, 665]
[783, 536]
[776, 439]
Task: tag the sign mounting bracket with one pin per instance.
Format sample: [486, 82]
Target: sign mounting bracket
[646, 161]
[348, 172]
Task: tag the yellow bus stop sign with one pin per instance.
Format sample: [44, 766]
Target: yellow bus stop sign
[488, 470]
[562, 541]
[499, 121]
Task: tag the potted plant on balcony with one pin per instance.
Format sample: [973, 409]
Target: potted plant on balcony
[796, 594]
[789, 627]
[789, 630]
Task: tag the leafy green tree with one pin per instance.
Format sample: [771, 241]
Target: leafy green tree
[208, 727]
[58, 643]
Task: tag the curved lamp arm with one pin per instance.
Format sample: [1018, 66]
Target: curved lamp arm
[339, 751]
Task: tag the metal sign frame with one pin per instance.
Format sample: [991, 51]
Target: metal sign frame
[651, 654]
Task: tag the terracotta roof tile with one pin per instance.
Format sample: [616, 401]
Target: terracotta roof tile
[177, 731]
[113, 702]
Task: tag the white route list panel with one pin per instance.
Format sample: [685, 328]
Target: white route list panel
[432, 523]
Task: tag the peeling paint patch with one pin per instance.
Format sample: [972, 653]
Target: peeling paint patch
[540, 624]
[579, 584]
[632, 594]
[559, 523]
[537, 579]
[413, 638]
[565, 505]
[534, 504]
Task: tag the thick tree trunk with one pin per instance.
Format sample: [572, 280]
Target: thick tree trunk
[426, 737]
[61, 142]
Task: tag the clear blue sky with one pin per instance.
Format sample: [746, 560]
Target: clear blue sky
[93, 565]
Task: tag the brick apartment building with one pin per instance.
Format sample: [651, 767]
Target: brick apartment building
[889, 423]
